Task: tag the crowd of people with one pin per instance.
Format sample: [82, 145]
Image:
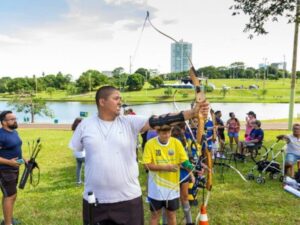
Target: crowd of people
[168, 156]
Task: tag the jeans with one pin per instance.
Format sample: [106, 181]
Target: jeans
[79, 162]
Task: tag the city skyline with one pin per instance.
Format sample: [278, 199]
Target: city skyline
[73, 36]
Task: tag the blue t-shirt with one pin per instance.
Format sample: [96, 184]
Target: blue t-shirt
[257, 134]
[209, 127]
[10, 147]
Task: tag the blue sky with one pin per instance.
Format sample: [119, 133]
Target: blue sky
[73, 36]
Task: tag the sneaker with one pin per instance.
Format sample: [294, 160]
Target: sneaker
[147, 200]
[14, 222]
[79, 183]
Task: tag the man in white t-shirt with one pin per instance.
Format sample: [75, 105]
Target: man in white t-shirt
[292, 150]
[111, 170]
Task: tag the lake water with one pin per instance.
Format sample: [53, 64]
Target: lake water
[65, 112]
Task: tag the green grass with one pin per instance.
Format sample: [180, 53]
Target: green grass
[277, 91]
[57, 200]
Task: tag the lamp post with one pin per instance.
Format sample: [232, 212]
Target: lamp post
[265, 73]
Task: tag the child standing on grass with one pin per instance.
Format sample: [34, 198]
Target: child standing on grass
[162, 157]
[79, 155]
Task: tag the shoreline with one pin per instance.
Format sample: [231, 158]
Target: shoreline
[265, 126]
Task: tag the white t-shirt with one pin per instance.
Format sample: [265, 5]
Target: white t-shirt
[111, 169]
[294, 145]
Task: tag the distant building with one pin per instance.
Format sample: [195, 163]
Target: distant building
[107, 73]
[153, 72]
[279, 65]
[262, 66]
[180, 53]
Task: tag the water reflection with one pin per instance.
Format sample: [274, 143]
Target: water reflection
[65, 112]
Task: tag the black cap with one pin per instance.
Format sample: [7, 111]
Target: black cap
[250, 113]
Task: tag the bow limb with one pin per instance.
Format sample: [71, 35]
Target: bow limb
[213, 118]
[200, 97]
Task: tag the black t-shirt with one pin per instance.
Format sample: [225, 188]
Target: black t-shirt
[220, 122]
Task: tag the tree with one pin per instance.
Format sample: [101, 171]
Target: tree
[50, 91]
[144, 72]
[237, 69]
[249, 72]
[118, 71]
[20, 84]
[156, 82]
[210, 71]
[135, 82]
[3, 84]
[91, 79]
[29, 103]
[260, 12]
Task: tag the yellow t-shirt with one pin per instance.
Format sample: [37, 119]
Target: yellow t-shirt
[164, 185]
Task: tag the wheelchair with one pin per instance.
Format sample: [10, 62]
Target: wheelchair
[255, 151]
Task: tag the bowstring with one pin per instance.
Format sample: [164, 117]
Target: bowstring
[166, 35]
[139, 41]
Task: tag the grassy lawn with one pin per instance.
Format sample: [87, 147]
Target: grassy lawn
[57, 200]
[277, 91]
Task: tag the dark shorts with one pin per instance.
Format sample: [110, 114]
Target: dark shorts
[8, 182]
[126, 213]
[170, 205]
[186, 180]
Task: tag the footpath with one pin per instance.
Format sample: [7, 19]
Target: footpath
[265, 126]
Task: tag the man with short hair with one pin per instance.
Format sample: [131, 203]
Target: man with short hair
[10, 152]
[111, 169]
[292, 150]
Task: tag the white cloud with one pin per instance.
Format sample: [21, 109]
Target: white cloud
[8, 40]
[102, 35]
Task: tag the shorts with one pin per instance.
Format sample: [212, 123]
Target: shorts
[184, 176]
[126, 213]
[171, 205]
[233, 134]
[291, 158]
[8, 182]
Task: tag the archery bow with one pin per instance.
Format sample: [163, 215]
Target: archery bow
[199, 97]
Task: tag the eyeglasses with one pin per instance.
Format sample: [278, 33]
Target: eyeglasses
[12, 119]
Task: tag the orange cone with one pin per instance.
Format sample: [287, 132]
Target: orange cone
[203, 216]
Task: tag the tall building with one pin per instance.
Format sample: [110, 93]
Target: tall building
[179, 56]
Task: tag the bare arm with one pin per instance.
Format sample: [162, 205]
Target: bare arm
[9, 162]
[168, 167]
[284, 138]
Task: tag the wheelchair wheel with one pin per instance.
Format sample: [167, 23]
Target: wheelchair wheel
[260, 180]
[259, 153]
[281, 178]
[273, 176]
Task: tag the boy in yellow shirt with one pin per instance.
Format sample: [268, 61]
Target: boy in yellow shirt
[163, 156]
